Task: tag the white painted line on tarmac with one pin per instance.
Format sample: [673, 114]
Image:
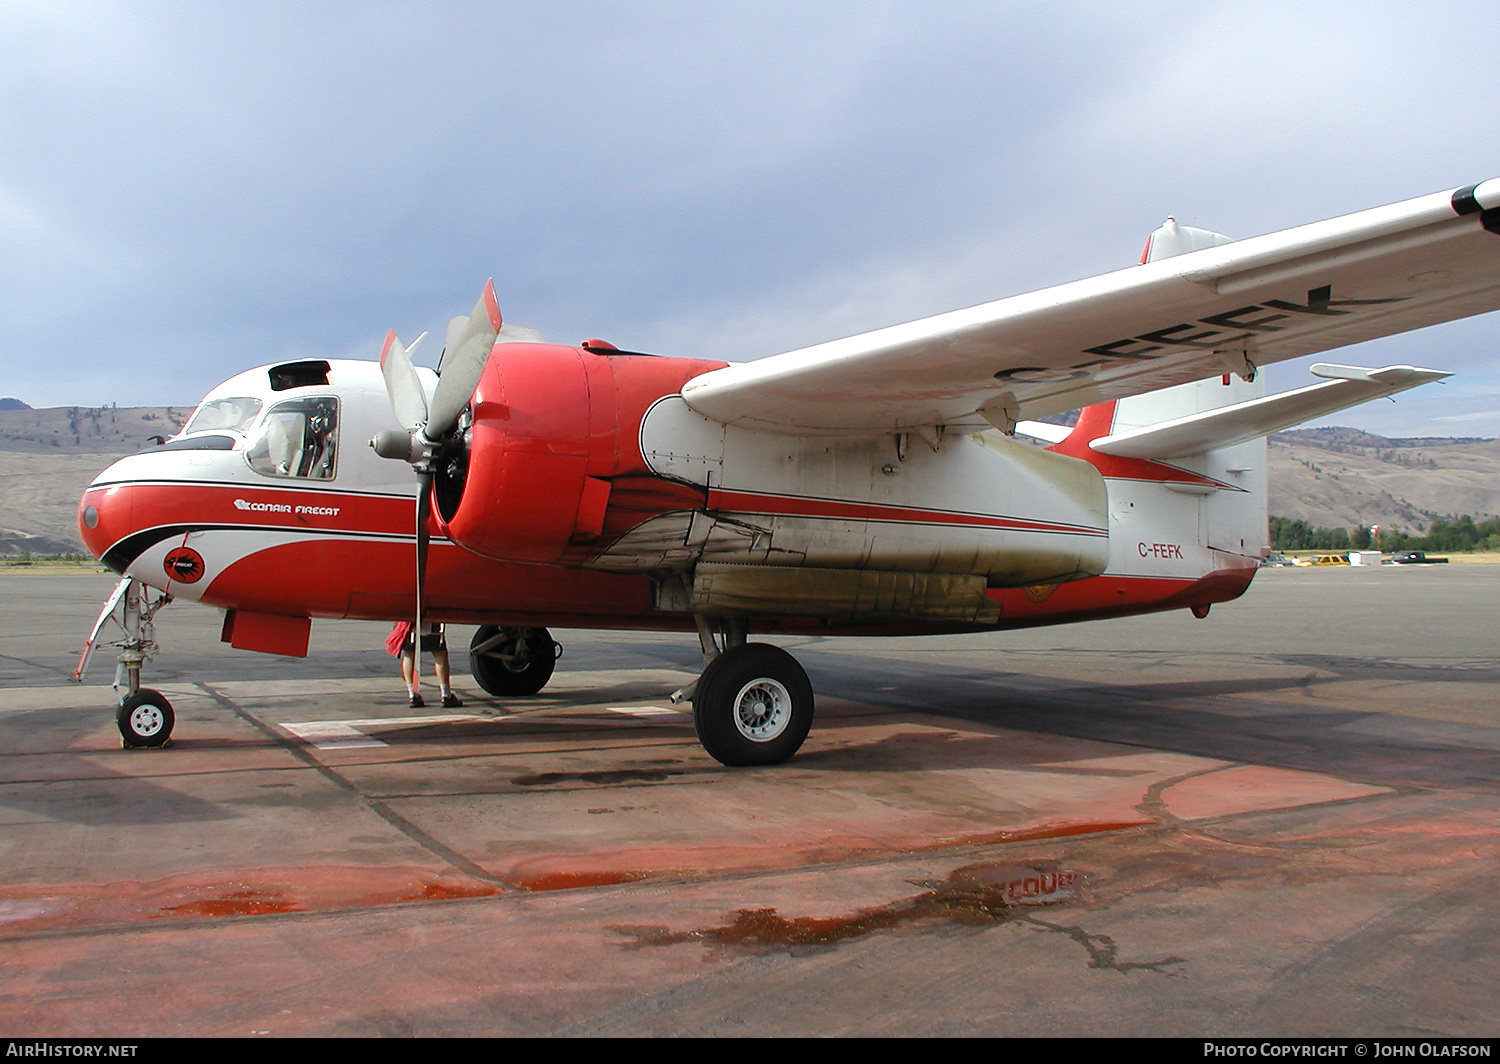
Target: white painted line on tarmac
[346, 734]
[645, 711]
[331, 734]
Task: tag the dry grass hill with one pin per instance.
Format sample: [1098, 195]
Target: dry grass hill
[1334, 477]
[1340, 477]
[47, 458]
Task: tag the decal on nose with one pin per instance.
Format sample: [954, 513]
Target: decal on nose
[184, 565]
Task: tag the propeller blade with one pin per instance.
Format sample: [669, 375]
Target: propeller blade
[519, 334]
[424, 508]
[454, 337]
[469, 343]
[402, 383]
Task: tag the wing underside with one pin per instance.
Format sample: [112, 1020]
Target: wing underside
[1223, 309]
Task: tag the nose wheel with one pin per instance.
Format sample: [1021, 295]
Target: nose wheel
[145, 719]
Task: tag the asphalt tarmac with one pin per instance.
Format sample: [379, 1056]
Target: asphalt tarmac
[1279, 820]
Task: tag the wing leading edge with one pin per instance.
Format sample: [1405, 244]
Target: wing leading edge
[1222, 309]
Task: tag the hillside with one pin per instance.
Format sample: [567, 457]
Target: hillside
[87, 429]
[1334, 477]
[47, 458]
[1340, 477]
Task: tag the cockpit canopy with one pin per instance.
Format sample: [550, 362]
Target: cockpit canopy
[232, 414]
[296, 437]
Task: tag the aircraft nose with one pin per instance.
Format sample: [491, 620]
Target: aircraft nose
[106, 517]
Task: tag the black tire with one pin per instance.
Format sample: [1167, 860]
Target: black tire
[521, 664]
[753, 706]
[145, 719]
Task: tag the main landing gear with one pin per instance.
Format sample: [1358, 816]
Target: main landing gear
[144, 716]
[753, 704]
[512, 661]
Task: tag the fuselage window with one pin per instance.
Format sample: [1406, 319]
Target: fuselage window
[298, 438]
[218, 415]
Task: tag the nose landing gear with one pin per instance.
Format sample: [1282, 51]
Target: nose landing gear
[144, 716]
[145, 719]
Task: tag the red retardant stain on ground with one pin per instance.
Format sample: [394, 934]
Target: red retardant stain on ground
[571, 871]
[451, 892]
[573, 880]
[1061, 831]
[227, 894]
[975, 895]
[243, 903]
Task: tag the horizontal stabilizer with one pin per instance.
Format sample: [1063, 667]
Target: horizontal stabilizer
[1196, 433]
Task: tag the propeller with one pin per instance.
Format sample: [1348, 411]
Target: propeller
[428, 433]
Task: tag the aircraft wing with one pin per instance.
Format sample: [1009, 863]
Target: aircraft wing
[1223, 309]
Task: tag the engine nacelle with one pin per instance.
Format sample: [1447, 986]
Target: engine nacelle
[526, 491]
[551, 428]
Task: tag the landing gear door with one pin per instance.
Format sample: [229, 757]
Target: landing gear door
[110, 605]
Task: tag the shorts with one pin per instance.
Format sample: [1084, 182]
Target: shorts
[433, 640]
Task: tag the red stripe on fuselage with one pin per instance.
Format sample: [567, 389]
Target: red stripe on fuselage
[1097, 421]
[372, 579]
[839, 509]
[326, 576]
[1105, 596]
[155, 503]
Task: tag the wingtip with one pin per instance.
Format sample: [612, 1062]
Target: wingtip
[1413, 375]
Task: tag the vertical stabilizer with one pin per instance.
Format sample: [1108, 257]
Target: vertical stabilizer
[1191, 515]
[1170, 239]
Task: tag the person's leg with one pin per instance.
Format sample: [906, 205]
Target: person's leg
[445, 688]
[409, 674]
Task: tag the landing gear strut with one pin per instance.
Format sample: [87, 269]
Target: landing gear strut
[144, 716]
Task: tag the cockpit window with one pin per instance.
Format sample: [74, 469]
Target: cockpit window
[297, 438]
[218, 415]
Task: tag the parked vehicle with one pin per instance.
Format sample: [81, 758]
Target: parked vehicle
[1415, 557]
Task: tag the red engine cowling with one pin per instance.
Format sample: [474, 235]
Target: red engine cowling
[552, 426]
[537, 435]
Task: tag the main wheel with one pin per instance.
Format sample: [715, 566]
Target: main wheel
[753, 706]
[519, 663]
[145, 719]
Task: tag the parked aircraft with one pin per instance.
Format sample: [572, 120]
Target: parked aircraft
[881, 483]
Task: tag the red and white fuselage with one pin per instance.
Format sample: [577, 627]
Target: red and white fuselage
[595, 497]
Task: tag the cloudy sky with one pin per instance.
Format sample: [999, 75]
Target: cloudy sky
[188, 189]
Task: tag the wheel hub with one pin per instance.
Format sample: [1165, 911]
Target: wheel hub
[762, 710]
[146, 720]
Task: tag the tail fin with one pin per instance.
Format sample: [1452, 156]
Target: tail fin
[1186, 466]
[1212, 501]
[1195, 513]
[1169, 239]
